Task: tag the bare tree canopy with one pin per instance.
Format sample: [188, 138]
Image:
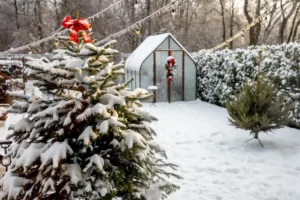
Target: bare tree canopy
[199, 24]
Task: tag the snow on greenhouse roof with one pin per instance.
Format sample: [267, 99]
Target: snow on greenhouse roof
[136, 59]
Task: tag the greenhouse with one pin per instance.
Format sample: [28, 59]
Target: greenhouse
[147, 65]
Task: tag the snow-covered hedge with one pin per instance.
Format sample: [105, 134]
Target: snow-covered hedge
[221, 74]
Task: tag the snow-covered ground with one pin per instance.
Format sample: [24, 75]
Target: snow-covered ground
[217, 164]
[214, 160]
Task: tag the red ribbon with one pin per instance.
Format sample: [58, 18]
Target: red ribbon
[76, 24]
[85, 36]
[172, 62]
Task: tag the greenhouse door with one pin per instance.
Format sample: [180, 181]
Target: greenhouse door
[168, 92]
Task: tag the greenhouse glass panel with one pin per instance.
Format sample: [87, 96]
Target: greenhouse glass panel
[161, 79]
[147, 73]
[189, 79]
[176, 84]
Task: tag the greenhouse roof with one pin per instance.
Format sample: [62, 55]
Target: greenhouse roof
[136, 59]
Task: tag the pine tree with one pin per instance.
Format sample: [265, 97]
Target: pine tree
[90, 138]
[258, 108]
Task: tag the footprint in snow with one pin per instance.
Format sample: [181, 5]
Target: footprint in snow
[232, 170]
[215, 134]
[184, 142]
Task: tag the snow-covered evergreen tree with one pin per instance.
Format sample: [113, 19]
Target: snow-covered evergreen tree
[90, 139]
[258, 108]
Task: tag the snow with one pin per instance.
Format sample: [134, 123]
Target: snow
[136, 59]
[74, 171]
[95, 160]
[153, 193]
[87, 134]
[11, 62]
[12, 184]
[152, 87]
[213, 158]
[2, 111]
[58, 151]
[111, 100]
[28, 157]
[131, 137]
[215, 161]
[75, 64]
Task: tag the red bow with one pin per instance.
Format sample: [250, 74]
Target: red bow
[76, 24]
[172, 62]
[85, 36]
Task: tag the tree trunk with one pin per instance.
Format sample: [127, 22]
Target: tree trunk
[285, 20]
[38, 15]
[57, 15]
[17, 14]
[223, 20]
[231, 22]
[296, 31]
[293, 24]
[254, 32]
[255, 135]
[148, 13]
[271, 25]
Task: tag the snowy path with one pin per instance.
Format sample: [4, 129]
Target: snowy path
[215, 161]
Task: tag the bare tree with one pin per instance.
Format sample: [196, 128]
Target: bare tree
[196, 24]
[232, 13]
[286, 15]
[254, 32]
[293, 24]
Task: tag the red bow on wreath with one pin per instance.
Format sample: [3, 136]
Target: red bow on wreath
[170, 65]
[172, 62]
[76, 24]
[85, 36]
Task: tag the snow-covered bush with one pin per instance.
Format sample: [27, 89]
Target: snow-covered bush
[90, 139]
[221, 74]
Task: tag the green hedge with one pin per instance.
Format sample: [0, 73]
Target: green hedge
[221, 74]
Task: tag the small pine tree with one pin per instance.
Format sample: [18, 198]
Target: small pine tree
[258, 108]
[90, 138]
